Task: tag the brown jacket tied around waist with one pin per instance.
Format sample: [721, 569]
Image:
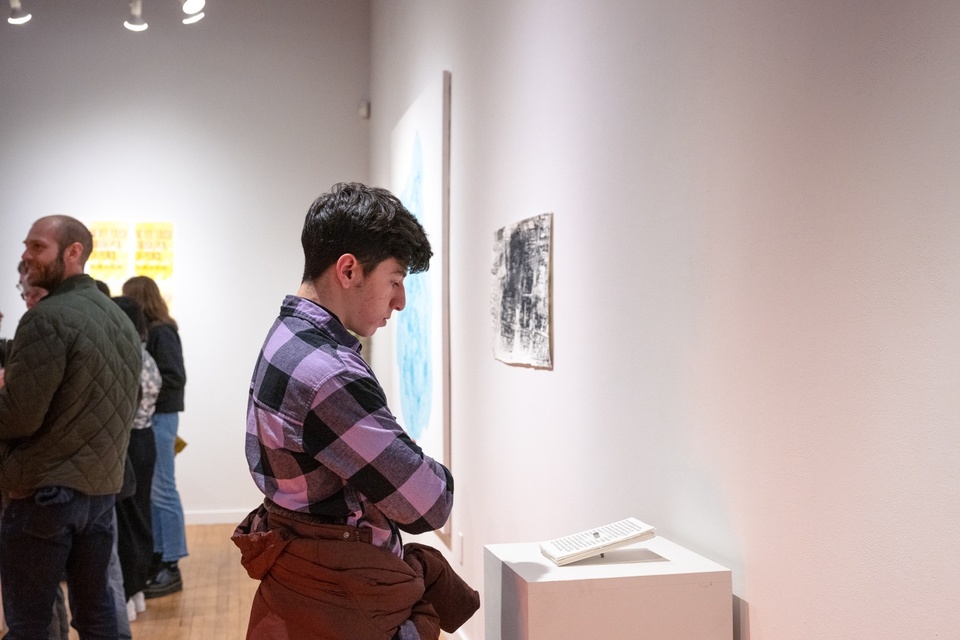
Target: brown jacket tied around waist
[325, 581]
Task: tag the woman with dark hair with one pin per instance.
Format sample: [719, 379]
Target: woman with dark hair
[134, 517]
[163, 343]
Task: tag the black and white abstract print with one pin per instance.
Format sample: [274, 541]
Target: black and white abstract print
[520, 301]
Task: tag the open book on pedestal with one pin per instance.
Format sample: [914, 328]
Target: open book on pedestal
[592, 542]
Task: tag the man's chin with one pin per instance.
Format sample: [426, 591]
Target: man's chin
[45, 280]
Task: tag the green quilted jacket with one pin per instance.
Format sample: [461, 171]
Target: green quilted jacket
[72, 375]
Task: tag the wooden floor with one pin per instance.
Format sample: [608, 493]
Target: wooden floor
[216, 597]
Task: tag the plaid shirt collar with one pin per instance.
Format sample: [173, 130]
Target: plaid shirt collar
[321, 318]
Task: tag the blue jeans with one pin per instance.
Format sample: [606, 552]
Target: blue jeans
[53, 533]
[60, 622]
[169, 535]
[115, 582]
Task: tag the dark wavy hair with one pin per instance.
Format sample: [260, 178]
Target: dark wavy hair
[369, 222]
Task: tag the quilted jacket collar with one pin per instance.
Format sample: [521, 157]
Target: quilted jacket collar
[73, 283]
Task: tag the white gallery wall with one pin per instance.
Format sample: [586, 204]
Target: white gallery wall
[756, 288]
[228, 128]
[756, 273]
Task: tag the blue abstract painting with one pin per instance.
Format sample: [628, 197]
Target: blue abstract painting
[414, 359]
[418, 385]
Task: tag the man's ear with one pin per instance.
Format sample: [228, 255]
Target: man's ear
[348, 270]
[71, 255]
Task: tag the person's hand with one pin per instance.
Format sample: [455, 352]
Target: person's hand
[1, 378]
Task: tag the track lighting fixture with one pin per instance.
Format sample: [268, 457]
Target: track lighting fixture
[17, 14]
[191, 7]
[192, 11]
[136, 21]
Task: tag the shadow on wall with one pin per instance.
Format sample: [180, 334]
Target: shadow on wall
[741, 619]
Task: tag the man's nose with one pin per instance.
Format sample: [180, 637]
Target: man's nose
[401, 300]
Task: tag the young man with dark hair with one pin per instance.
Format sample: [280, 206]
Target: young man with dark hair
[67, 401]
[341, 478]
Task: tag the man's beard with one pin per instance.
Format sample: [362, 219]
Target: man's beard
[48, 276]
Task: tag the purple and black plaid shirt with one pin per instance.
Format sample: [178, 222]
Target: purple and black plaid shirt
[321, 440]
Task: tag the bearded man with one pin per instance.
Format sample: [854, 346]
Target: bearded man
[67, 402]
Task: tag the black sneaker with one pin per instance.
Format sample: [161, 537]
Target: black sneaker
[166, 581]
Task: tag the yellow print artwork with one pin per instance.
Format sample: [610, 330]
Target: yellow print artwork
[122, 250]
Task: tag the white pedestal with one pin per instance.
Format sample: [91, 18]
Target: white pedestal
[654, 590]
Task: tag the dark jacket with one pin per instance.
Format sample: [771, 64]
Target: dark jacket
[72, 375]
[163, 343]
[327, 582]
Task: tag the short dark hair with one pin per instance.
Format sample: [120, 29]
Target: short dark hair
[369, 222]
[70, 230]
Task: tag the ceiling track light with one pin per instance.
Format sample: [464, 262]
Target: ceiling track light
[192, 7]
[136, 21]
[17, 14]
[192, 11]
